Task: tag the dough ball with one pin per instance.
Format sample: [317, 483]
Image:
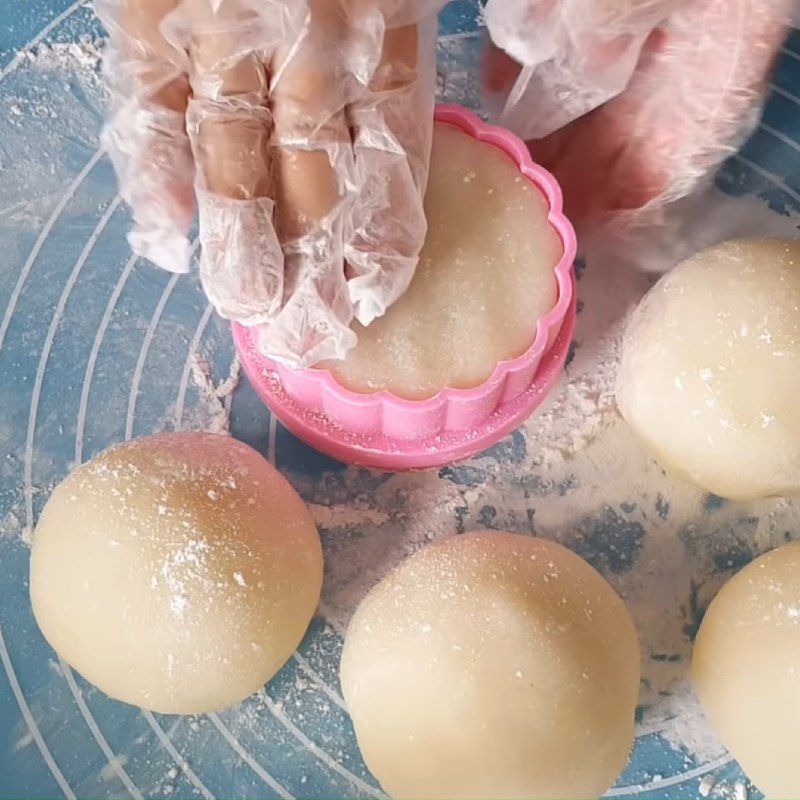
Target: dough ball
[710, 371]
[746, 669]
[485, 276]
[493, 665]
[176, 572]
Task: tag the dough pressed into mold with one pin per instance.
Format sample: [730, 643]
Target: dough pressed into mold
[746, 669]
[492, 665]
[176, 572]
[710, 370]
[484, 278]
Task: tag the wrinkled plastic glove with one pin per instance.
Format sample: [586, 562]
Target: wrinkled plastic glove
[302, 131]
[643, 131]
[574, 55]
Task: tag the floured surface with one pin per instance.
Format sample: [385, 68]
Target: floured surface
[485, 276]
[95, 349]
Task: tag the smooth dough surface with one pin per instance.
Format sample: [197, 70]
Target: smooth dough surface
[485, 276]
[746, 669]
[492, 665]
[710, 371]
[176, 572]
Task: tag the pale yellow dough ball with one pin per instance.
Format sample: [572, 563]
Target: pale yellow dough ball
[746, 669]
[710, 371]
[493, 665]
[176, 572]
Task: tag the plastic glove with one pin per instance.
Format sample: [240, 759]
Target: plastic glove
[303, 129]
[575, 55]
[694, 96]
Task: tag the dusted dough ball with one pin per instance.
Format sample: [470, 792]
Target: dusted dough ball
[485, 276]
[710, 371]
[177, 572]
[746, 669]
[492, 665]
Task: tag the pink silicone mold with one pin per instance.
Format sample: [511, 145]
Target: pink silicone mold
[385, 431]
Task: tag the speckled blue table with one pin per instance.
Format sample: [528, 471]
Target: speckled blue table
[97, 346]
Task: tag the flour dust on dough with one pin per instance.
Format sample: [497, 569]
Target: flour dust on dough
[176, 572]
[746, 665]
[710, 370]
[492, 665]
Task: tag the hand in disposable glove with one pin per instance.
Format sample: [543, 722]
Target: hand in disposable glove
[662, 91]
[301, 129]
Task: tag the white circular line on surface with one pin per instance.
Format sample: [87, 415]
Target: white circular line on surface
[151, 720]
[218, 723]
[112, 758]
[29, 440]
[781, 137]
[773, 179]
[301, 660]
[145, 349]
[187, 367]
[45, 232]
[318, 679]
[791, 53]
[178, 758]
[87, 381]
[454, 37]
[321, 755]
[163, 738]
[663, 783]
[9, 312]
[248, 759]
[93, 354]
[784, 94]
[45, 355]
[33, 728]
[20, 54]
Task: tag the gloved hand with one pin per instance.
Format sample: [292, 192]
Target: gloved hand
[302, 128]
[631, 103]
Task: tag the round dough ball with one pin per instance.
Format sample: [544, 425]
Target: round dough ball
[493, 665]
[710, 371]
[484, 278]
[177, 572]
[746, 669]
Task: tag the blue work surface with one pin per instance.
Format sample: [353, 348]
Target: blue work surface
[97, 346]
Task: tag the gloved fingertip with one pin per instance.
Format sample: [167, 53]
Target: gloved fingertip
[334, 347]
[166, 248]
[242, 263]
[380, 281]
[150, 153]
[313, 325]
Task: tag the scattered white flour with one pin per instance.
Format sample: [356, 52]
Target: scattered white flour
[10, 525]
[706, 785]
[111, 770]
[215, 396]
[689, 729]
[577, 474]
[23, 742]
[340, 516]
[574, 472]
[83, 55]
